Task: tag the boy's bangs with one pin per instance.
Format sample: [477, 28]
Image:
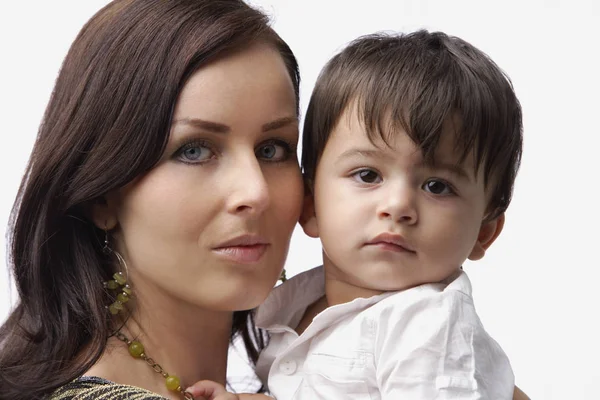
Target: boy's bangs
[422, 83]
[421, 92]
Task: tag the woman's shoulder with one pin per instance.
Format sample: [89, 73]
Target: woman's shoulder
[95, 388]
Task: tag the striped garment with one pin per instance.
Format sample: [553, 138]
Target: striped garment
[94, 388]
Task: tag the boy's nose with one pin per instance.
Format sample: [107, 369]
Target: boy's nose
[399, 206]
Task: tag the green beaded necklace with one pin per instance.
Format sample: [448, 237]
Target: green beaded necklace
[136, 349]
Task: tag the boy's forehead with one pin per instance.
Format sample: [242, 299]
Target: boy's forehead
[389, 135]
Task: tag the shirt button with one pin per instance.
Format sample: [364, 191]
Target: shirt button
[288, 367]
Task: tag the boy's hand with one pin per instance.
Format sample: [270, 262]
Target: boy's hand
[209, 390]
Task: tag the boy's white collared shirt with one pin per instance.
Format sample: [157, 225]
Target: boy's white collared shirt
[422, 343]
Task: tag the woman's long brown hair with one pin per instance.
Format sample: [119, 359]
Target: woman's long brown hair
[106, 123]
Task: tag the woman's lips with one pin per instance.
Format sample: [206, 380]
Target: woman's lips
[243, 254]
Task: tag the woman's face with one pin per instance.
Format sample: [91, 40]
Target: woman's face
[210, 225]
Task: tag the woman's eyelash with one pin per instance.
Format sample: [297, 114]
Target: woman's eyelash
[288, 147]
[291, 146]
[191, 144]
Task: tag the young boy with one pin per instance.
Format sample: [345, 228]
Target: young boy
[410, 151]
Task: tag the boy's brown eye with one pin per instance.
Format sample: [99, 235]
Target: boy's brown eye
[368, 176]
[437, 187]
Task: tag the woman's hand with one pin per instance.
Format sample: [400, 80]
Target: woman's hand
[519, 395]
[209, 390]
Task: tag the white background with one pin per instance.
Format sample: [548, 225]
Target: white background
[537, 289]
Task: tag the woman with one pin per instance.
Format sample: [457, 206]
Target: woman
[166, 154]
[167, 157]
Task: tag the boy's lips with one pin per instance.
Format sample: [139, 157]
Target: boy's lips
[392, 242]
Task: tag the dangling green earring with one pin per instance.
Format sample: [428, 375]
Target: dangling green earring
[135, 347]
[119, 281]
[282, 277]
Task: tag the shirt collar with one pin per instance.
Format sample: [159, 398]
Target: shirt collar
[287, 302]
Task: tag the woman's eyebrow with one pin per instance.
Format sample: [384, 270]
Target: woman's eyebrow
[279, 123]
[210, 126]
[216, 127]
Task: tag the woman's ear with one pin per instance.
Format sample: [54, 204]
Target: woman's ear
[488, 233]
[308, 219]
[103, 212]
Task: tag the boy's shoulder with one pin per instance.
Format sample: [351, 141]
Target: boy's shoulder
[446, 302]
[435, 327]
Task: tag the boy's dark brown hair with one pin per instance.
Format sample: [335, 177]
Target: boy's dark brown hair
[416, 82]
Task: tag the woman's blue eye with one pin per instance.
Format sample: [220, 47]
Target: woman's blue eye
[273, 152]
[195, 153]
[367, 176]
[437, 187]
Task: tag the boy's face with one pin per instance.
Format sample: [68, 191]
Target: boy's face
[386, 220]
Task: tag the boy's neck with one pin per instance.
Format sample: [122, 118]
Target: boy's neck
[341, 288]
[336, 292]
[339, 291]
[310, 313]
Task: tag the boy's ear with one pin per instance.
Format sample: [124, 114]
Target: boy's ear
[103, 212]
[488, 233]
[308, 219]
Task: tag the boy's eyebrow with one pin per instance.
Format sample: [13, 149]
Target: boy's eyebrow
[216, 127]
[453, 168]
[360, 153]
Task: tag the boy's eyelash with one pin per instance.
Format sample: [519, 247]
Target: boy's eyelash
[445, 182]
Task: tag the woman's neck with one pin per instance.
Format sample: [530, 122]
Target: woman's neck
[186, 341]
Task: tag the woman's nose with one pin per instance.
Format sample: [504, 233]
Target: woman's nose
[249, 189]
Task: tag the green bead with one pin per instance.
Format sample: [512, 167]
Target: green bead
[122, 297]
[172, 382]
[113, 309]
[112, 284]
[136, 349]
[117, 305]
[120, 278]
[127, 290]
